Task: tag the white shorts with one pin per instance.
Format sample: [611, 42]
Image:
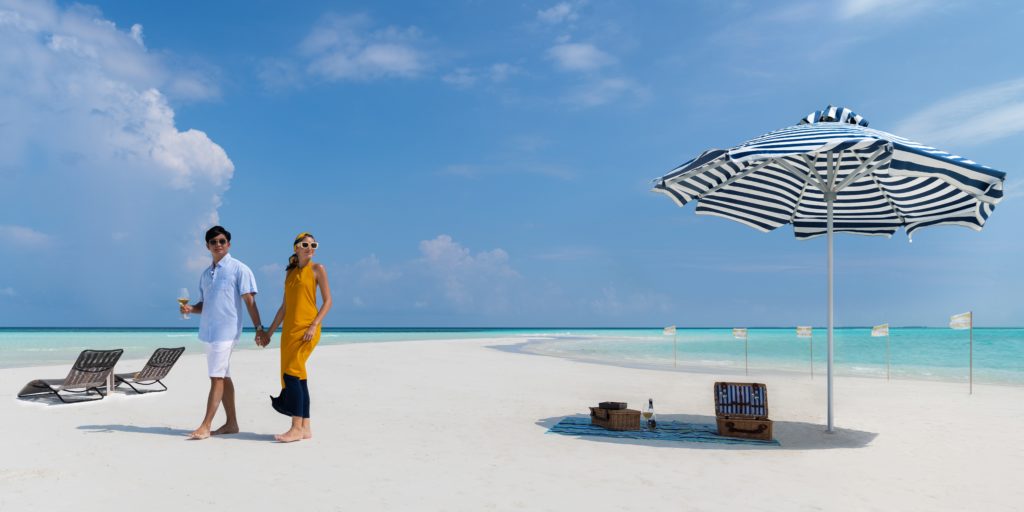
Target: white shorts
[218, 357]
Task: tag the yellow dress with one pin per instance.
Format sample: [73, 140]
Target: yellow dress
[299, 312]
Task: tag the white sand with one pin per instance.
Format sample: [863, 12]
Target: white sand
[457, 425]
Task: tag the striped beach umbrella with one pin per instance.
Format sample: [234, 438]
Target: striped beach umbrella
[832, 174]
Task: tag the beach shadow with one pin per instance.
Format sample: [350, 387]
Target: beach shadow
[50, 400]
[173, 432]
[791, 435]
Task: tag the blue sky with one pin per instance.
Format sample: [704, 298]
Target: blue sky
[483, 163]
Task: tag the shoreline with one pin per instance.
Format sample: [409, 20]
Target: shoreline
[461, 425]
[690, 367]
[526, 344]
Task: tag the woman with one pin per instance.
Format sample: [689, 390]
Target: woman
[300, 333]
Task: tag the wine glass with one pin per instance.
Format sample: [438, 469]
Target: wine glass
[646, 412]
[183, 300]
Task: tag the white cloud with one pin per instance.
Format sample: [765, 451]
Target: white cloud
[92, 132]
[880, 9]
[468, 279]
[981, 115]
[557, 13]
[606, 90]
[465, 77]
[579, 57]
[349, 48]
[8, 292]
[461, 77]
[502, 71]
[369, 270]
[136, 34]
[23, 237]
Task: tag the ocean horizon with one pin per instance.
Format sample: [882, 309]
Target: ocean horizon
[925, 353]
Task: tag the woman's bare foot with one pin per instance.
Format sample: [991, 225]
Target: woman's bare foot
[307, 433]
[227, 428]
[288, 437]
[199, 433]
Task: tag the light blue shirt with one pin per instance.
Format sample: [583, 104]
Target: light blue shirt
[221, 287]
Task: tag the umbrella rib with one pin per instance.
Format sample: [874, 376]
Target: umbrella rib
[799, 174]
[755, 168]
[832, 170]
[895, 209]
[865, 163]
[868, 166]
[796, 207]
[706, 166]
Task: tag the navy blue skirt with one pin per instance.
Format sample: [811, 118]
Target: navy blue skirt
[294, 398]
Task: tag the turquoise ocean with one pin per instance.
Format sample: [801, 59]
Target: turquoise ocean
[914, 352]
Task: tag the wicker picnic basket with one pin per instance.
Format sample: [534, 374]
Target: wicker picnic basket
[615, 419]
[741, 410]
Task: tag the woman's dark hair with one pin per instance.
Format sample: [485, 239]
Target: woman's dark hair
[293, 260]
[217, 230]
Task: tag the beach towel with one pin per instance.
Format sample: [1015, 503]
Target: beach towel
[667, 430]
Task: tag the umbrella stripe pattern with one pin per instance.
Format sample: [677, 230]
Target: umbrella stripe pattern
[878, 181]
[830, 174]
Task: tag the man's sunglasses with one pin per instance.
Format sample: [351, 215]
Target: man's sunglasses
[218, 241]
[307, 245]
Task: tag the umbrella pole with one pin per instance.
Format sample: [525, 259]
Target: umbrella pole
[830, 199]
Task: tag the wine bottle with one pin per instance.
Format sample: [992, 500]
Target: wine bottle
[649, 414]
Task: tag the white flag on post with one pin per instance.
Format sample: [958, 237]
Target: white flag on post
[804, 331]
[961, 321]
[880, 330]
[739, 333]
[669, 331]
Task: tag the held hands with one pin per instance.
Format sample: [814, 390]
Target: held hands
[262, 338]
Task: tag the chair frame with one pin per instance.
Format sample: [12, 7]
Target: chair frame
[156, 369]
[89, 373]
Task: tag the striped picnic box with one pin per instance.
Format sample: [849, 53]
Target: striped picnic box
[741, 410]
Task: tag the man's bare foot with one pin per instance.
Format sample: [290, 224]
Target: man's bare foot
[289, 437]
[307, 433]
[199, 433]
[226, 429]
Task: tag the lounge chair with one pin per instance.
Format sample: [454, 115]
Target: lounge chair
[157, 368]
[88, 374]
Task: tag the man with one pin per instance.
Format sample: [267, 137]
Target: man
[223, 287]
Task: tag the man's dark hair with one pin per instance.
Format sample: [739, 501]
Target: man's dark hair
[217, 230]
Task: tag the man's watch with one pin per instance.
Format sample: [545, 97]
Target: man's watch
[260, 329]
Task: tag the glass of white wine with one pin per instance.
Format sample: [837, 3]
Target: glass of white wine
[183, 300]
[648, 413]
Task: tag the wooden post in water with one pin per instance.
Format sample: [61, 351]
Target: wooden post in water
[674, 343]
[807, 332]
[966, 321]
[741, 333]
[671, 330]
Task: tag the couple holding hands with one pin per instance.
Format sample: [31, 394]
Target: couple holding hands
[224, 287]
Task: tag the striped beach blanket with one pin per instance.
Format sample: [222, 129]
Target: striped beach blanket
[666, 431]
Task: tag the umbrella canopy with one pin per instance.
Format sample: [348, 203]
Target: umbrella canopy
[831, 173]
